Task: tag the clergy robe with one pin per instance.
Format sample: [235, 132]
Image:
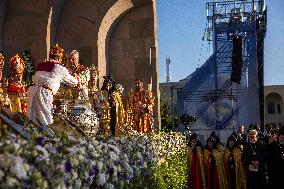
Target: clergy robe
[47, 79]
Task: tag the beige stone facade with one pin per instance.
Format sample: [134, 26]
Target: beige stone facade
[273, 107]
[119, 36]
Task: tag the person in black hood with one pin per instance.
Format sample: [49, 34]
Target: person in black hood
[276, 159]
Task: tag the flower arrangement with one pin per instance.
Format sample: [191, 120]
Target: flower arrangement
[153, 161]
[170, 171]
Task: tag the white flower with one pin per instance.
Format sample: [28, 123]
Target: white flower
[17, 168]
[61, 167]
[12, 182]
[74, 162]
[125, 157]
[74, 174]
[118, 168]
[129, 170]
[71, 138]
[15, 146]
[73, 150]
[8, 141]
[90, 146]
[4, 161]
[78, 183]
[81, 151]
[95, 142]
[98, 149]
[100, 165]
[110, 186]
[112, 155]
[1, 175]
[138, 155]
[82, 141]
[95, 154]
[81, 157]
[26, 167]
[114, 148]
[107, 176]
[101, 179]
[43, 150]
[56, 139]
[23, 142]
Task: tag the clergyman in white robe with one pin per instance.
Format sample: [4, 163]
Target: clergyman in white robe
[47, 79]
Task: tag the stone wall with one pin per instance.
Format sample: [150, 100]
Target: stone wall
[129, 47]
[25, 27]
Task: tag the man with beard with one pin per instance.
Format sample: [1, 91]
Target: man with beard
[254, 153]
[233, 164]
[140, 106]
[81, 73]
[196, 175]
[242, 137]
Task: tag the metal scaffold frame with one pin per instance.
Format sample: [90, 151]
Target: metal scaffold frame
[210, 93]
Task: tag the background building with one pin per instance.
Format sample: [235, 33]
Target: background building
[274, 96]
[273, 103]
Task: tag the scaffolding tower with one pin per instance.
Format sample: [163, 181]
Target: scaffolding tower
[216, 101]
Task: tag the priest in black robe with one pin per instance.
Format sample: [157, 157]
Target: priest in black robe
[254, 153]
[276, 160]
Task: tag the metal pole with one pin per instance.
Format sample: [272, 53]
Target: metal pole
[150, 60]
[215, 66]
[233, 117]
[172, 107]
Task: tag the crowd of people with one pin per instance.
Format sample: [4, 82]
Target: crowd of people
[61, 80]
[248, 161]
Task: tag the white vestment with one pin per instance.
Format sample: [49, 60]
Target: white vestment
[47, 81]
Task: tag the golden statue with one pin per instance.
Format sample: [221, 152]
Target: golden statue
[17, 89]
[140, 104]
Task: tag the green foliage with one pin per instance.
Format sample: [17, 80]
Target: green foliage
[172, 173]
[166, 117]
[30, 70]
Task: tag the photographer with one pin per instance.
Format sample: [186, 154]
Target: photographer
[187, 120]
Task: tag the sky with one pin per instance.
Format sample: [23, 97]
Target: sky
[181, 26]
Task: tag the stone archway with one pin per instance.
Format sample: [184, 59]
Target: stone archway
[120, 34]
[116, 11]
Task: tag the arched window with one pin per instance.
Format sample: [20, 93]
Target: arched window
[273, 103]
[270, 108]
[279, 108]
